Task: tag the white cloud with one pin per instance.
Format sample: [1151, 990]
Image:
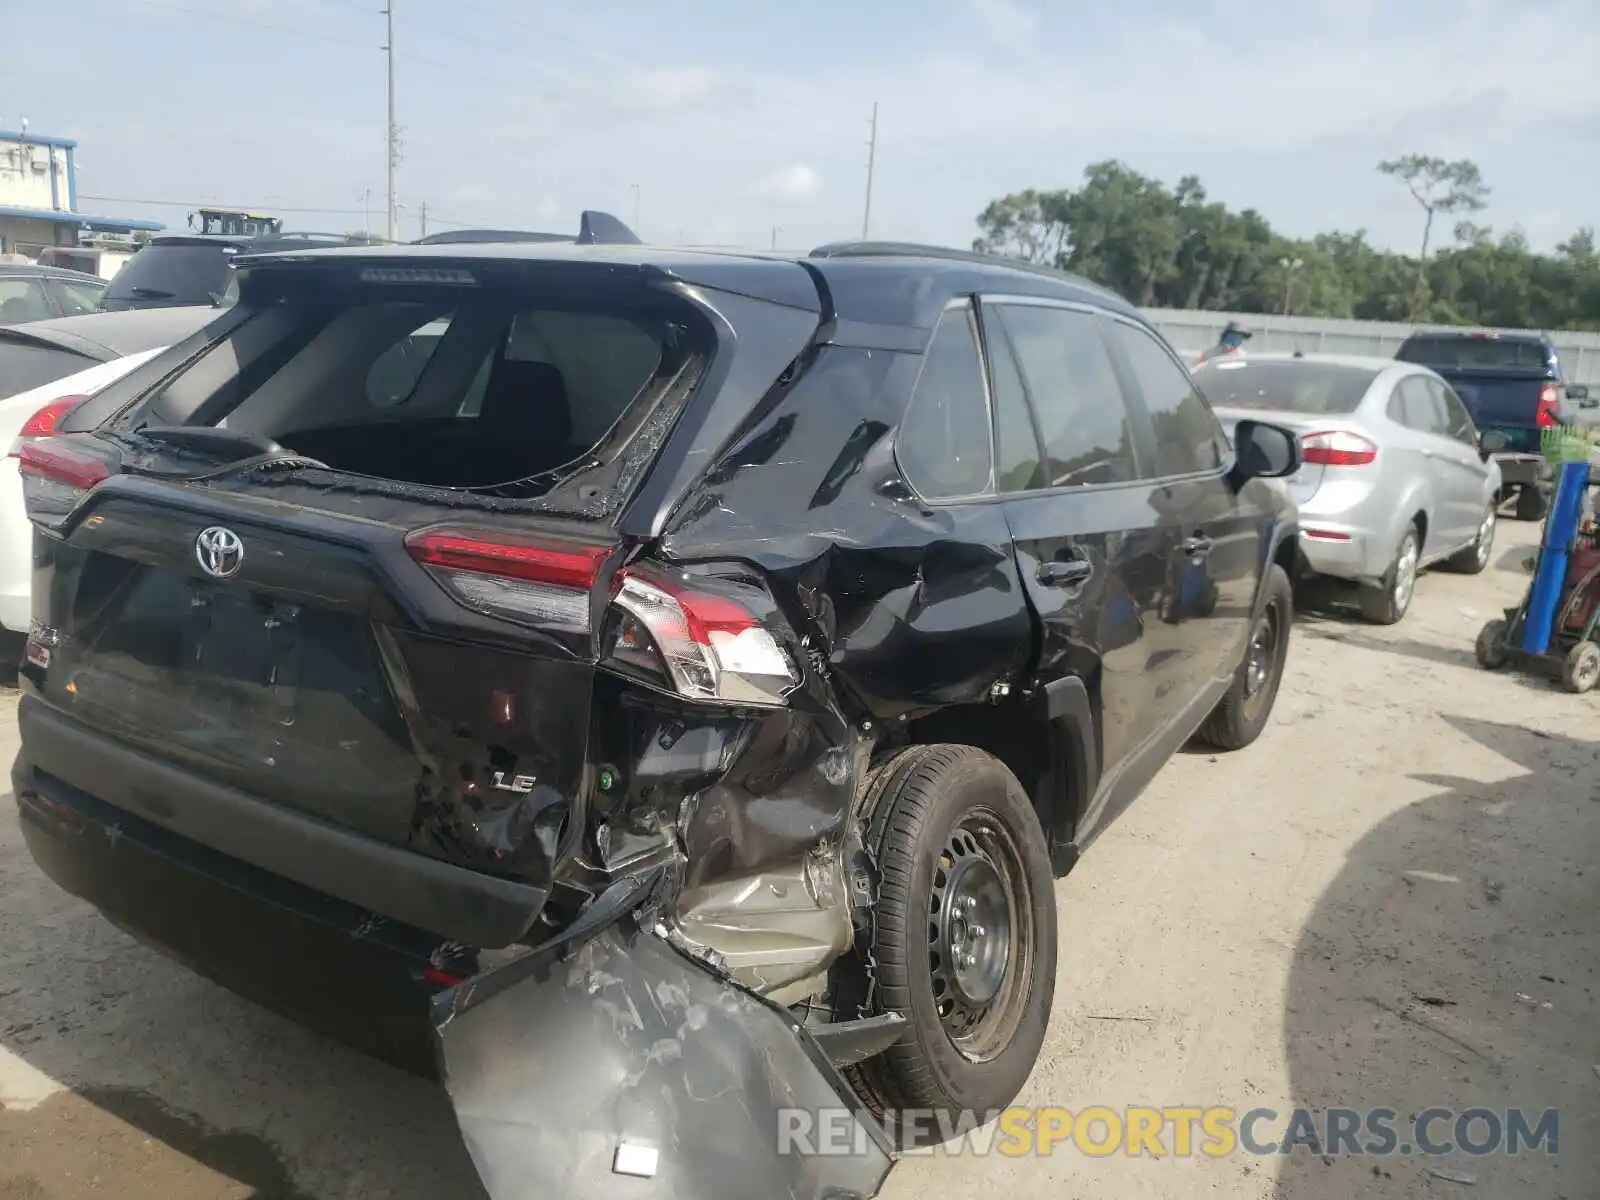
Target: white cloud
[797, 182]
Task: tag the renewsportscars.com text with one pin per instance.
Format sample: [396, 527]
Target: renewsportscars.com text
[1188, 1130]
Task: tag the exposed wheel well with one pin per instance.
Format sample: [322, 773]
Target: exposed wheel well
[1028, 743]
[1421, 522]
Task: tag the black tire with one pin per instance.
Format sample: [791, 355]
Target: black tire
[1381, 603]
[928, 799]
[1530, 503]
[1490, 648]
[1242, 713]
[1474, 559]
[1580, 671]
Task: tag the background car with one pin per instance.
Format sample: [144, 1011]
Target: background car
[1393, 475]
[178, 269]
[33, 414]
[41, 352]
[29, 292]
[41, 365]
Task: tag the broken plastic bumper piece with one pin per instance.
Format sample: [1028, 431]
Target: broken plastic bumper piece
[611, 1065]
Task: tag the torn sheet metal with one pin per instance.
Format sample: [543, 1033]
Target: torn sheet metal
[625, 1070]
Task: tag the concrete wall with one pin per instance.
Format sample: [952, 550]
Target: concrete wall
[19, 236]
[1190, 332]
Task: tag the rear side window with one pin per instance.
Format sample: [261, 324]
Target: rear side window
[22, 300]
[1073, 388]
[1421, 408]
[25, 365]
[76, 297]
[943, 446]
[1457, 418]
[1188, 438]
[1016, 450]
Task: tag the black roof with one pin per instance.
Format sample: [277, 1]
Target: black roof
[887, 284]
[36, 271]
[108, 335]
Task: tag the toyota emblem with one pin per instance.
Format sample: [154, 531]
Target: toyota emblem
[219, 552]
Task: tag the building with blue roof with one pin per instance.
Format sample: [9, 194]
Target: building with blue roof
[39, 196]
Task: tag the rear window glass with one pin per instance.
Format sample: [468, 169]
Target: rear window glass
[494, 393]
[1475, 352]
[27, 365]
[173, 275]
[1297, 385]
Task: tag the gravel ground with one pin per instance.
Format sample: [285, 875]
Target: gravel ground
[1390, 900]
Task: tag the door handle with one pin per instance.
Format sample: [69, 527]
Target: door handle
[1426, 453]
[1064, 573]
[1197, 546]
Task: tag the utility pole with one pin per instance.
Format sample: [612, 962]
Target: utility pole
[366, 207]
[872, 162]
[394, 134]
[774, 237]
[422, 219]
[635, 188]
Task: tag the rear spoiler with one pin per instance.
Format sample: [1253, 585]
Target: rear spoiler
[594, 229]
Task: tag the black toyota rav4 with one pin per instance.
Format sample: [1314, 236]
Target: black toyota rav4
[653, 690]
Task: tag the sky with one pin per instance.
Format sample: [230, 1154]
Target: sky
[721, 124]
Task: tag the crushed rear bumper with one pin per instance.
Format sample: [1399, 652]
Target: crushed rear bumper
[606, 1064]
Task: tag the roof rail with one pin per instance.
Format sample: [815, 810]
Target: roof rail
[949, 253]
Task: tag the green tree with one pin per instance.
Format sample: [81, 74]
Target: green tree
[1439, 187]
[1174, 247]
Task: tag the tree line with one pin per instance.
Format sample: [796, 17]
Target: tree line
[1172, 247]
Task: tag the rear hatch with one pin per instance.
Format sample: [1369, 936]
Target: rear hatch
[348, 562]
[172, 272]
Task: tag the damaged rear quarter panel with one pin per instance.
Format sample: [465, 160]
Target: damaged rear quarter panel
[908, 608]
[900, 609]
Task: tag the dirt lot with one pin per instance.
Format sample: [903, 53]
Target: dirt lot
[1391, 900]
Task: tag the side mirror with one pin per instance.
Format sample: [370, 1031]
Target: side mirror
[1264, 451]
[1492, 442]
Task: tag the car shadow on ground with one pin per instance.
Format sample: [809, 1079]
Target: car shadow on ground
[186, 1092]
[1452, 963]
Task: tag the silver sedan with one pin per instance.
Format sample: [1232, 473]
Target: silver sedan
[1394, 479]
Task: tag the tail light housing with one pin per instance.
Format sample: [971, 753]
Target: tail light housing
[58, 472]
[710, 639]
[532, 581]
[705, 638]
[1337, 448]
[1549, 412]
[44, 421]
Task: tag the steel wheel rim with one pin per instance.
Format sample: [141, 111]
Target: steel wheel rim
[1587, 672]
[1486, 537]
[1263, 649]
[1405, 573]
[981, 978]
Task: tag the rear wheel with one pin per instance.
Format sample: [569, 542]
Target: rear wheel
[964, 935]
[1242, 713]
[1490, 648]
[1581, 670]
[1385, 602]
[1473, 559]
[1530, 503]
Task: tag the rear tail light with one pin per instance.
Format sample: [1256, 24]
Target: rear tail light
[705, 639]
[43, 423]
[1549, 414]
[1337, 448]
[701, 638]
[57, 473]
[531, 581]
